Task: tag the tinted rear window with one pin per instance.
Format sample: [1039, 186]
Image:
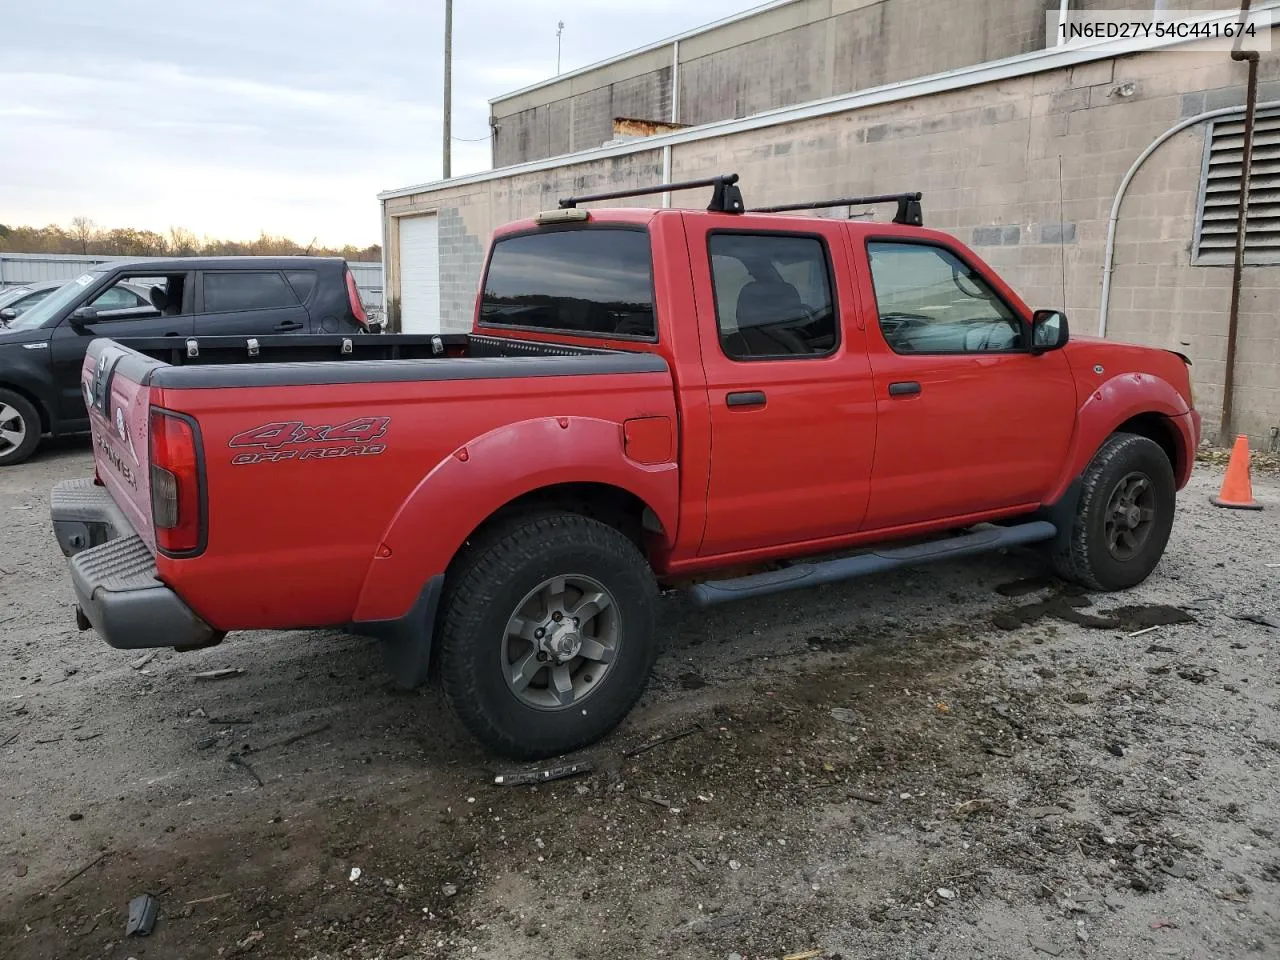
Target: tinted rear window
[597, 281]
[303, 282]
[246, 291]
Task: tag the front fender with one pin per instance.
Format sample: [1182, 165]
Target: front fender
[476, 480]
[1111, 403]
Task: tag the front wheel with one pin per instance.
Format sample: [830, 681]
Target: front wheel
[19, 428]
[1124, 516]
[547, 637]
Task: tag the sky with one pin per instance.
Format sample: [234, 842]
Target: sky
[234, 117]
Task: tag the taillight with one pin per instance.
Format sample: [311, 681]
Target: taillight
[177, 484]
[357, 307]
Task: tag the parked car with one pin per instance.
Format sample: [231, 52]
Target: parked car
[15, 301]
[647, 396]
[42, 350]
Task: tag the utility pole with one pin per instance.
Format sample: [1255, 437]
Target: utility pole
[448, 86]
[559, 30]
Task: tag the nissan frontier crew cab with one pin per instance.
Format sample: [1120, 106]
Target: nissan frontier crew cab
[646, 396]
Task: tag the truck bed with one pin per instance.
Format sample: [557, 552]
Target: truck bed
[349, 436]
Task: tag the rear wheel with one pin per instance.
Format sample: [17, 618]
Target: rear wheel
[547, 638]
[1123, 518]
[19, 428]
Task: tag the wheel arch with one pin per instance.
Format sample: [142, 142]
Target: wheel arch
[572, 463]
[47, 421]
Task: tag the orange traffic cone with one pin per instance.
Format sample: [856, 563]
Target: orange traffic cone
[1237, 488]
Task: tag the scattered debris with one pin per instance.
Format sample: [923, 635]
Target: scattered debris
[1115, 749]
[1160, 648]
[864, 796]
[1077, 696]
[945, 893]
[807, 955]
[82, 737]
[143, 660]
[142, 916]
[355, 874]
[1197, 674]
[83, 870]
[197, 712]
[292, 739]
[1052, 949]
[240, 761]
[207, 742]
[449, 890]
[20, 870]
[1138, 633]
[656, 801]
[218, 674]
[519, 778]
[214, 898]
[1164, 924]
[248, 942]
[74, 817]
[735, 865]
[1257, 618]
[967, 809]
[1177, 869]
[844, 715]
[54, 739]
[659, 741]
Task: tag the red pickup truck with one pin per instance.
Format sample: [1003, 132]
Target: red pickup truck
[734, 401]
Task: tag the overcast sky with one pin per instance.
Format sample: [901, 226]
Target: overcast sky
[281, 115]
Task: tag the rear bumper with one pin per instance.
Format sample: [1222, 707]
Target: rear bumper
[114, 575]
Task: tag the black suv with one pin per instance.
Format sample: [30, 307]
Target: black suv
[42, 350]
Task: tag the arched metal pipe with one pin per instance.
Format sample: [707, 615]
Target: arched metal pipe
[1109, 255]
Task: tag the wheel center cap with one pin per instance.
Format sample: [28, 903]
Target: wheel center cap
[1132, 516]
[563, 641]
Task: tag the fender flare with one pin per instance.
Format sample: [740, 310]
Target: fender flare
[37, 391]
[477, 479]
[1113, 402]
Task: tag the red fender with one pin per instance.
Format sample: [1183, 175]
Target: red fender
[472, 483]
[1111, 404]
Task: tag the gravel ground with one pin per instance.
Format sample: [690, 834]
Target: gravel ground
[913, 765]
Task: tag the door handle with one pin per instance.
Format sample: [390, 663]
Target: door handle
[288, 325]
[172, 333]
[745, 398]
[904, 388]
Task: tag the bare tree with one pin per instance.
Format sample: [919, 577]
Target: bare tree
[82, 231]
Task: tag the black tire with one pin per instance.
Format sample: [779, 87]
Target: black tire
[502, 567]
[24, 418]
[1086, 554]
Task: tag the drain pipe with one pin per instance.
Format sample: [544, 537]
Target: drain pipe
[1108, 257]
[1242, 227]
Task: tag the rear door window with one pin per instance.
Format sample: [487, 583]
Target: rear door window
[596, 282]
[246, 290]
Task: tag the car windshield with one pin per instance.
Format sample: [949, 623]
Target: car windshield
[50, 305]
[7, 296]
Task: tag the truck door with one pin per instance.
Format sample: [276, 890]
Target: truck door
[969, 420]
[789, 385]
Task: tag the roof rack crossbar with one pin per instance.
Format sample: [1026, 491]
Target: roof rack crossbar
[726, 198]
[909, 211]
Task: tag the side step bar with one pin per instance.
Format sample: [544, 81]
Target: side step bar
[886, 558]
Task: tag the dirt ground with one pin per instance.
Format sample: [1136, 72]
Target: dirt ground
[914, 765]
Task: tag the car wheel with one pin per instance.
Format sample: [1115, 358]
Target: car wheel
[1123, 518]
[19, 428]
[547, 636]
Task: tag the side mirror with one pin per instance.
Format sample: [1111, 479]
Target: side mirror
[8, 314]
[1049, 331]
[82, 315]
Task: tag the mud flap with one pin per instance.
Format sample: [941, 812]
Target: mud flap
[407, 640]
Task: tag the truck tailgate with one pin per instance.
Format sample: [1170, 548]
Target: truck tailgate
[114, 381]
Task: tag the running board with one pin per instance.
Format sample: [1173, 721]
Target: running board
[803, 575]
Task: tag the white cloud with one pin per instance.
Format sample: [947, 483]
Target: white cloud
[287, 116]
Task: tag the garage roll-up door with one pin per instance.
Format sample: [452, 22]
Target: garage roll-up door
[419, 275]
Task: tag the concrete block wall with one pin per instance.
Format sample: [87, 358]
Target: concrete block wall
[1025, 171]
[801, 51]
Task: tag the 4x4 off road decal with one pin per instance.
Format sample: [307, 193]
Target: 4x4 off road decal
[295, 440]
